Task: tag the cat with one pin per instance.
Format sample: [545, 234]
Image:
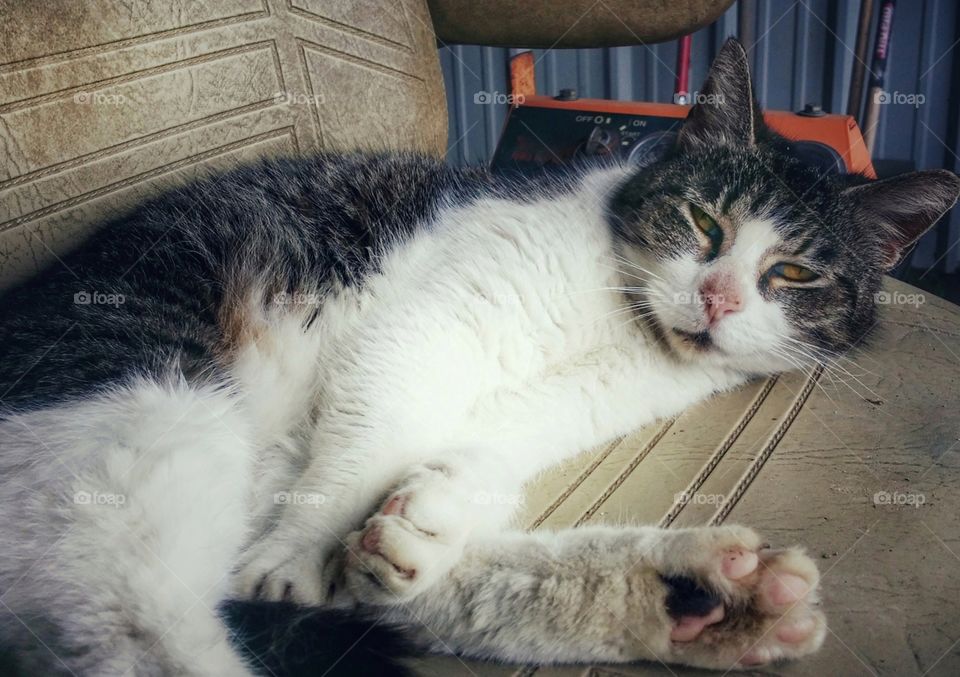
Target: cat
[289, 386]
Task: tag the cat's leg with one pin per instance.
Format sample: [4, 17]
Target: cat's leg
[428, 507]
[711, 597]
[387, 409]
[416, 408]
[122, 517]
[296, 560]
[419, 531]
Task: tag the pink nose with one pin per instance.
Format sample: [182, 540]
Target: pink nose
[721, 296]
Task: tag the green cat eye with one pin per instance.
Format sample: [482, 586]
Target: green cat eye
[707, 225]
[793, 272]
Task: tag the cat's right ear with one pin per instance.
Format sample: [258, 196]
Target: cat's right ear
[905, 207]
[725, 111]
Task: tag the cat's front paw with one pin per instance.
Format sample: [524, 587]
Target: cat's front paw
[412, 541]
[282, 569]
[742, 605]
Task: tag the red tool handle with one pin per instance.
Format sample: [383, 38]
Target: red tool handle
[682, 92]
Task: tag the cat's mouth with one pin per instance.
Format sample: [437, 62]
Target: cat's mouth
[700, 340]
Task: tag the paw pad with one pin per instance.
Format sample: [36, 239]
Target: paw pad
[413, 539]
[688, 628]
[738, 607]
[371, 540]
[783, 589]
[394, 506]
[798, 631]
[738, 563]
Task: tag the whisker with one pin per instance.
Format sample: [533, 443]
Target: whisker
[623, 259]
[830, 365]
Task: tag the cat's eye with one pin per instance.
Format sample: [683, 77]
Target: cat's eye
[707, 225]
[794, 273]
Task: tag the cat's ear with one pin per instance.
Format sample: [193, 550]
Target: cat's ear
[905, 206]
[725, 111]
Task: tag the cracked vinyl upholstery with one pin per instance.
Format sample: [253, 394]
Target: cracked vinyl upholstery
[103, 103]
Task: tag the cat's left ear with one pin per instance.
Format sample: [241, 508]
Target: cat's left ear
[905, 206]
[725, 112]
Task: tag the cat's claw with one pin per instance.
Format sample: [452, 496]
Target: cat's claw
[280, 570]
[744, 606]
[413, 540]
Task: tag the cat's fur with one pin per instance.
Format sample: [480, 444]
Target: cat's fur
[291, 345]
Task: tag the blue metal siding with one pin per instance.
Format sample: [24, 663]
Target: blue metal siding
[803, 54]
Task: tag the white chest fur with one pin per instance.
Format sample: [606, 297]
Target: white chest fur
[501, 324]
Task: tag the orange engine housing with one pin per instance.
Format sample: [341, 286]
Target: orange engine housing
[551, 130]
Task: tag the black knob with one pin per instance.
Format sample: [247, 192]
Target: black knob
[811, 110]
[567, 95]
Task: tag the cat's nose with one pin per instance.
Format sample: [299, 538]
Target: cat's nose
[721, 296]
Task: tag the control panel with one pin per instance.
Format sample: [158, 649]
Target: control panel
[542, 132]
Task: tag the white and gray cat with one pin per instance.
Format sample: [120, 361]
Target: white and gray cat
[293, 381]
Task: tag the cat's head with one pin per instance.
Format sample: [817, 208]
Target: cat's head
[744, 256]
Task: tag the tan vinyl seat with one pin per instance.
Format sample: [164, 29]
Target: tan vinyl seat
[103, 103]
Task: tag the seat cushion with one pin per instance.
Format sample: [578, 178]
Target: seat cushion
[859, 463]
[572, 23]
[105, 102]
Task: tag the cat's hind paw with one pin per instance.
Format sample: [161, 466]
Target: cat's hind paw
[744, 606]
[412, 541]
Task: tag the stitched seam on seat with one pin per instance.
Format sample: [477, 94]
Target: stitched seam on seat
[757, 464]
[109, 152]
[573, 486]
[718, 454]
[922, 326]
[123, 43]
[287, 131]
[140, 75]
[350, 30]
[356, 60]
[625, 473]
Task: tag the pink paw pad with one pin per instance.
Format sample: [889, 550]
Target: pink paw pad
[370, 541]
[796, 632]
[738, 563]
[755, 657]
[394, 506]
[783, 589]
[688, 628]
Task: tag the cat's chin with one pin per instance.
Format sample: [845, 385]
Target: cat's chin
[704, 347]
[695, 345]
[694, 341]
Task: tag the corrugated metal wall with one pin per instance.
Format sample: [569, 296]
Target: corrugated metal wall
[802, 54]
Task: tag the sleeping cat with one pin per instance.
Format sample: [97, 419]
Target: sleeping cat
[292, 383]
